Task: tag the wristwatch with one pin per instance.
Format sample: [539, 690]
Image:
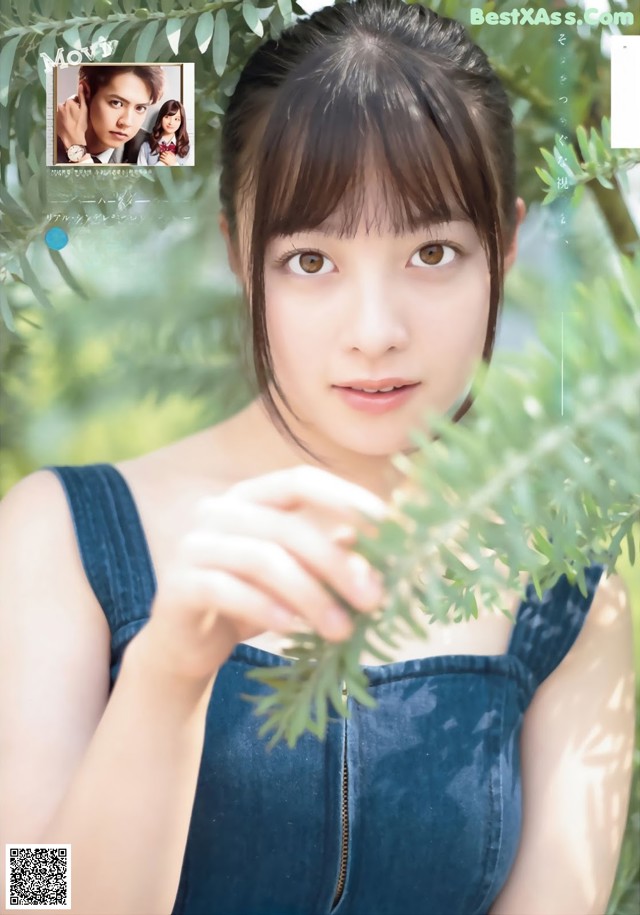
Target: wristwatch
[75, 153]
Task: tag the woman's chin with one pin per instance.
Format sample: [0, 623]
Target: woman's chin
[373, 444]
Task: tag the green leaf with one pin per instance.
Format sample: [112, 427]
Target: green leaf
[66, 274]
[33, 282]
[12, 207]
[360, 694]
[299, 717]
[285, 9]
[541, 543]
[275, 721]
[141, 13]
[173, 33]
[5, 310]
[321, 715]
[544, 176]
[599, 152]
[264, 12]
[220, 44]
[554, 166]
[4, 126]
[204, 31]
[337, 699]
[605, 182]
[145, 41]
[631, 546]
[72, 38]
[23, 11]
[6, 65]
[250, 15]
[567, 150]
[31, 190]
[377, 653]
[583, 143]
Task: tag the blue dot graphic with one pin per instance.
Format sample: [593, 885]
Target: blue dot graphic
[56, 238]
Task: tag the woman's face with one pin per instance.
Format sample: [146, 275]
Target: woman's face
[171, 122]
[413, 307]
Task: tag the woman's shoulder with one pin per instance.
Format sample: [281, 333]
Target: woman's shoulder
[181, 471]
[213, 458]
[165, 486]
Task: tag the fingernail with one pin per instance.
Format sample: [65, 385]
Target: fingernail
[377, 510]
[338, 621]
[282, 617]
[343, 534]
[365, 578]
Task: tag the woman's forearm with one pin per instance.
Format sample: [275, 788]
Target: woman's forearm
[127, 810]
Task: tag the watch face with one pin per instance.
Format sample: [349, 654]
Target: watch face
[75, 153]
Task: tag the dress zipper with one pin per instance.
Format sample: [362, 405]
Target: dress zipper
[345, 817]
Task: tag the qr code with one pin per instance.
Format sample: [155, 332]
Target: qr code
[38, 877]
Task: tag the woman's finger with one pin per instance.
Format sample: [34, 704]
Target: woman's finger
[348, 573]
[290, 489]
[292, 579]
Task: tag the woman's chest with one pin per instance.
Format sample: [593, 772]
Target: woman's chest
[386, 812]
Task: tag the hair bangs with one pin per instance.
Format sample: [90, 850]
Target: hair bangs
[329, 140]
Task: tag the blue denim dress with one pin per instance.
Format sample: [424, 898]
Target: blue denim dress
[412, 808]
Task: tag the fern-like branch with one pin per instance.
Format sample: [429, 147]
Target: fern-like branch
[546, 494]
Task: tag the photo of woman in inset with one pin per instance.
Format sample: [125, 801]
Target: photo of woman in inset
[168, 143]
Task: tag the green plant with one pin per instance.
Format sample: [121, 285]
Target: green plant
[546, 494]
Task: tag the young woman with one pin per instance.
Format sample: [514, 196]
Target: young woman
[169, 141]
[370, 212]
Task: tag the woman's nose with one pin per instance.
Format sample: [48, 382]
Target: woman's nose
[376, 320]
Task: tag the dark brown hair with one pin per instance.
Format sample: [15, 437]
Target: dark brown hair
[371, 81]
[182, 137]
[98, 76]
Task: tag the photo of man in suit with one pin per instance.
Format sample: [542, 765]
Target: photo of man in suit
[101, 125]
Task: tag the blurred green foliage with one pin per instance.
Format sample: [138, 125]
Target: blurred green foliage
[132, 336]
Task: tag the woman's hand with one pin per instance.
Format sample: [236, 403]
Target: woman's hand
[252, 562]
[168, 158]
[72, 119]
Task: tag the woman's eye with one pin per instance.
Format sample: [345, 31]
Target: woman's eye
[310, 263]
[434, 255]
[116, 103]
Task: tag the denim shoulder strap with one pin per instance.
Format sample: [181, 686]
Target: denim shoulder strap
[111, 540]
[547, 627]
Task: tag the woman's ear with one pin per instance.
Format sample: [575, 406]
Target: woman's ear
[510, 254]
[231, 252]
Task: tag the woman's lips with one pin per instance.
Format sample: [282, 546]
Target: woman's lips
[377, 403]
